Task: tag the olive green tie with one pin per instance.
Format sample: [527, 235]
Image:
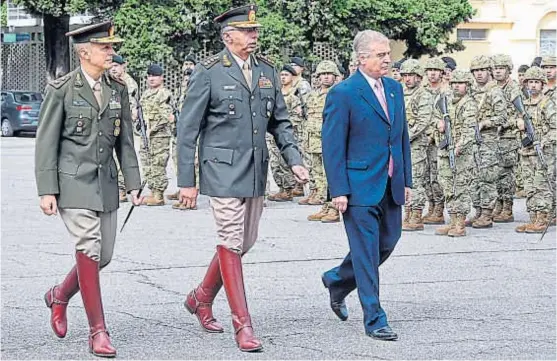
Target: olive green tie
[97, 93]
[247, 73]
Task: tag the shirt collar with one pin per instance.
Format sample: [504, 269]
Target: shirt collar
[370, 80]
[240, 61]
[90, 80]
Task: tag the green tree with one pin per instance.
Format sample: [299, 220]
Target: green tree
[56, 21]
[4, 14]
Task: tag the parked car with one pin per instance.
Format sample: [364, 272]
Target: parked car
[20, 111]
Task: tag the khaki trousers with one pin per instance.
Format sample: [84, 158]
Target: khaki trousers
[237, 221]
[93, 232]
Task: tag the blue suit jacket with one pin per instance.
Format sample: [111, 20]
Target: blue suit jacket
[358, 138]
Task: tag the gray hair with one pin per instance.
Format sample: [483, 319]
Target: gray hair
[78, 47]
[365, 38]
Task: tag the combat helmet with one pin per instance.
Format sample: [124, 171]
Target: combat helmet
[435, 63]
[412, 66]
[535, 73]
[461, 76]
[327, 66]
[481, 62]
[502, 60]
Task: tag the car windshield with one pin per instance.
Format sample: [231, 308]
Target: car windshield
[28, 97]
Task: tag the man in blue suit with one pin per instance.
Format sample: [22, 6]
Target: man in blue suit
[366, 153]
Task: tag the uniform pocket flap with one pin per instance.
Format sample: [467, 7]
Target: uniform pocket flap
[69, 168]
[356, 164]
[218, 155]
[80, 112]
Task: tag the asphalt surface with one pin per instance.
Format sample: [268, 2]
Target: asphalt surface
[490, 295]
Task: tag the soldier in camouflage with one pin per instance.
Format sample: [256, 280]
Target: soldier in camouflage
[157, 111]
[303, 86]
[418, 115]
[327, 71]
[395, 71]
[508, 143]
[548, 65]
[520, 193]
[492, 116]
[462, 110]
[281, 172]
[540, 200]
[436, 201]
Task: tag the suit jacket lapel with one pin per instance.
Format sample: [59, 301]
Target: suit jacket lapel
[390, 96]
[369, 95]
[233, 68]
[85, 91]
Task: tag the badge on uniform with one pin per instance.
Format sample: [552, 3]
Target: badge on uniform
[117, 122]
[79, 103]
[116, 131]
[78, 82]
[114, 102]
[229, 87]
[265, 83]
[226, 61]
[231, 108]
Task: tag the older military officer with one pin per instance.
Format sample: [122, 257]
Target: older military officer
[85, 117]
[234, 98]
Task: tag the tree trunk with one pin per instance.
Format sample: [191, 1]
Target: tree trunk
[56, 45]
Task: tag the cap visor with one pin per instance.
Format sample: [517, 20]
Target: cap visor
[245, 24]
[107, 40]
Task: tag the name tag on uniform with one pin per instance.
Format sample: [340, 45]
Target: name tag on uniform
[229, 87]
[79, 103]
[114, 105]
[265, 83]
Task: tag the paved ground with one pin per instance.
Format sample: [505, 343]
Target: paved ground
[487, 296]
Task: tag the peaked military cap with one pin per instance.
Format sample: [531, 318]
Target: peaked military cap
[243, 17]
[154, 69]
[118, 59]
[289, 69]
[102, 33]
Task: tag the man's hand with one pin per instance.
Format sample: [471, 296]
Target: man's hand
[340, 203]
[301, 174]
[49, 205]
[520, 124]
[457, 150]
[407, 195]
[137, 201]
[188, 197]
[441, 126]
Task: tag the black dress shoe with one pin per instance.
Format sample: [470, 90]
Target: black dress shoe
[338, 306]
[384, 334]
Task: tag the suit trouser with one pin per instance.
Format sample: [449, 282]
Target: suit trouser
[373, 233]
[93, 233]
[237, 221]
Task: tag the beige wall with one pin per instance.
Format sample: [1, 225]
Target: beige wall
[513, 28]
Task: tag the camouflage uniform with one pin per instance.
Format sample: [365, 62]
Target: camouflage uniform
[462, 112]
[433, 189]
[508, 146]
[157, 109]
[539, 197]
[492, 114]
[418, 115]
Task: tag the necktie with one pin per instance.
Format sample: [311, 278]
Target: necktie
[381, 97]
[97, 93]
[247, 73]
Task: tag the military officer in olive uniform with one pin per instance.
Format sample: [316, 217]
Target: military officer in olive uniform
[233, 99]
[84, 117]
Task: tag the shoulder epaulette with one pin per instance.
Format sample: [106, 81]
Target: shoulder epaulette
[211, 61]
[265, 60]
[57, 83]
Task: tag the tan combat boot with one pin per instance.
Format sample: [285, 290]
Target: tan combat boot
[332, 216]
[506, 215]
[444, 230]
[298, 190]
[406, 218]
[157, 199]
[182, 207]
[316, 200]
[304, 201]
[542, 219]
[430, 207]
[459, 230]
[173, 196]
[497, 210]
[437, 215]
[319, 215]
[416, 222]
[475, 217]
[285, 195]
[485, 220]
[521, 228]
[123, 196]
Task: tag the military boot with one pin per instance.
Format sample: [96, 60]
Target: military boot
[521, 228]
[406, 218]
[444, 230]
[285, 195]
[157, 199]
[319, 215]
[437, 215]
[182, 207]
[485, 220]
[316, 200]
[459, 230]
[475, 217]
[332, 216]
[506, 215]
[498, 208]
[173, 196]
[123, 196]
[416, 222]
[542, 219]
[298, 190]
[430, 207]
[304, 201]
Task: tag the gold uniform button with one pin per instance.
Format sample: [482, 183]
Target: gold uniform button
[100, 133]
[255, 131]
[101, 150]
[100, 166]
